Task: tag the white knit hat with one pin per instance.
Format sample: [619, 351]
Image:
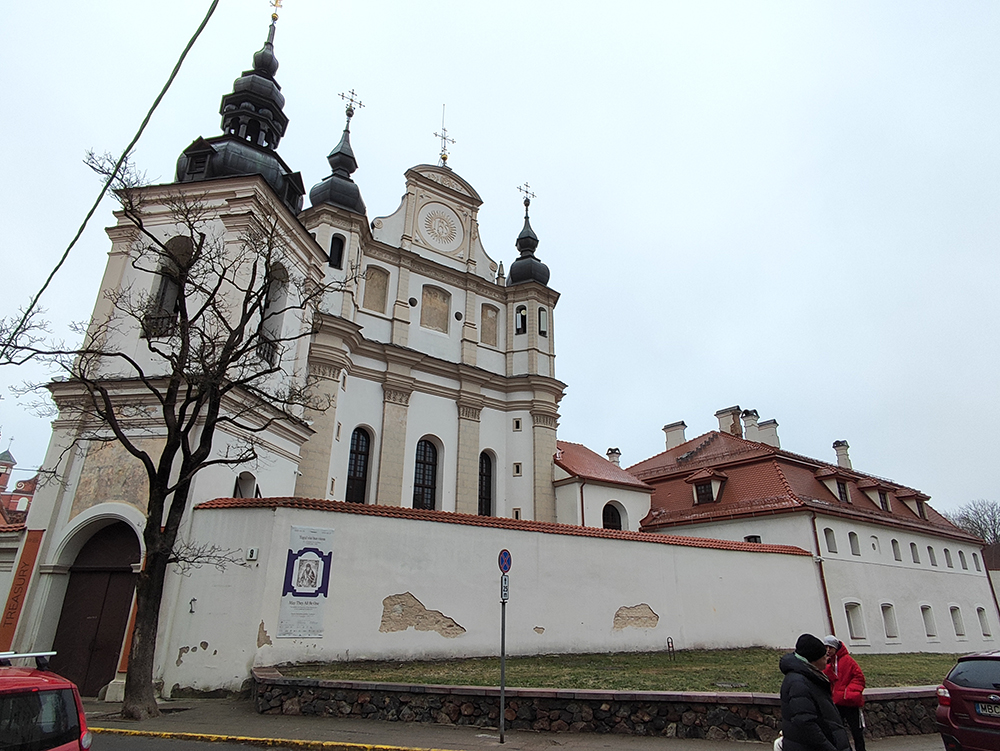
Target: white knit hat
[831, 641]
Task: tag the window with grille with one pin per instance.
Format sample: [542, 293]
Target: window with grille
[425, 476]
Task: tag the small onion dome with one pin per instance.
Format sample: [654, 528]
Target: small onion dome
[253, 110]
[338, 188]
[527, 268]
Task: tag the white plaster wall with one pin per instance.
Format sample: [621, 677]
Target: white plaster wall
[874, 578]
[783, 529]
[564, 591]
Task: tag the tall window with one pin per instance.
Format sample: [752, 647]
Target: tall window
[337, 252]
[914, 553]
[435, 305]
[852, 538]
[855, 620]
[883, 500]
[947, 559]
[485, 485]
[488, 325]
[543, 322]
[521, 320]
[831, 540]
[984, 624]
[889, 621]
[612, 517]
[161, 315]
[929, 626]
[425, 476]
[842, 491]
[357, 466]
[930, 556]
[961, 559]
[975, 561]
[956, 621]
[376, 289]
[271, 316]
[895, 551]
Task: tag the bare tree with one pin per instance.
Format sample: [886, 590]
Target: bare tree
[171, 363]
[980, 518]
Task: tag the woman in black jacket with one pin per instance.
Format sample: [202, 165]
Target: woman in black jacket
[809, 719]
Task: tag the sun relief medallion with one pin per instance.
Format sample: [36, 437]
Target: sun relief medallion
[440, 227]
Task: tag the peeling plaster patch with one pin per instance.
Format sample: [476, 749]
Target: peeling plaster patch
[400, 612]
[637, 616]
[539, 630]
[180, 655]
[262, 637]
[203, 645]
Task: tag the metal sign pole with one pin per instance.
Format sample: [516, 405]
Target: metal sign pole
[504, 562]
[503, 664]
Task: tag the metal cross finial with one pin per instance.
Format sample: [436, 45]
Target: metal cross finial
[528, 195]
[445, 140]
[276, 4]
[352, 99]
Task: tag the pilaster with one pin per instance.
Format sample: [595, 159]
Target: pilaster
[395, 410]
[314, 461]
[543, 434]
[467, 489]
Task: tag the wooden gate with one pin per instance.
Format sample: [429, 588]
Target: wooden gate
[96, 608]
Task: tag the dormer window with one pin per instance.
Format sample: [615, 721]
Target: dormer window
[921, 509]
[703, 492]
[706, 486]
[883, 500]
[842, 491]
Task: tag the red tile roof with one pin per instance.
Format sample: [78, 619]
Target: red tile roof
[763, 479]
[447, 517]
[580, 461]
[11, 528]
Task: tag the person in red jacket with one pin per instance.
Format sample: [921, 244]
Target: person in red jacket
[848, 683]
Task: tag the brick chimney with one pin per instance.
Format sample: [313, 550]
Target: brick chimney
[614, 456]
[675, 434]
[843, 459]
[729, 421]
[752, 432]
[767, 432]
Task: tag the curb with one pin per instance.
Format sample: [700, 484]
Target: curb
[262, 742]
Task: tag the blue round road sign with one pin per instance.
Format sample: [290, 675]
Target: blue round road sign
[504, 560]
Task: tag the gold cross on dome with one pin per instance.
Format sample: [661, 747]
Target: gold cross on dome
[276, 4]
[445, 140]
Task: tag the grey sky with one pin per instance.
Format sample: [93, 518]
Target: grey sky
[787, 206]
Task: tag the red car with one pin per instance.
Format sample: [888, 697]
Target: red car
[968, 712]
[39, 710]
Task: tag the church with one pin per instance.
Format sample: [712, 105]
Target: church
[371, 528]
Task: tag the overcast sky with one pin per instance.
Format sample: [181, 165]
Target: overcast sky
[788, 206]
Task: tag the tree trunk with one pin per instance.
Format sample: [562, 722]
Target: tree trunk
[140, 697]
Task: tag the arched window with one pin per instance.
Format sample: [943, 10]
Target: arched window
[521, 320]
[357, 466]
[337, 252]
[896, 552]
[914, 553]
[271, 315]
[246, 486]
[425, 476]
[961, 560]
[852, 538]
[855, 620]
[947, 559]
[543, 322]
[434, 308]
[485, 485]
[984, 624]
[164, 303]
[612, 517]
[376, 289]
[889, 621]
[930, 628]
[930, 556]
[956, 621]
[831, 540]
[488, 325]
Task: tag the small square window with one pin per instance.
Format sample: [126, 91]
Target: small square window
[703, 492]
[517, 469]
[517, 424]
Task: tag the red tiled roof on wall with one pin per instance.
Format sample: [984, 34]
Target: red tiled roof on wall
[447, 517]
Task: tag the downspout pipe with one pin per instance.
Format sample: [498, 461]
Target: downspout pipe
[822, 575]
[583, 518]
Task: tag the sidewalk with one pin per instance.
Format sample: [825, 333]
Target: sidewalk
[236, 720]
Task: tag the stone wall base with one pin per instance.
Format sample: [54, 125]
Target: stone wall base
[714, 716]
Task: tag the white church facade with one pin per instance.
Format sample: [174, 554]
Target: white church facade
[371, 528]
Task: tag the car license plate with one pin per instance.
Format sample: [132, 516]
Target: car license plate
[988, 710]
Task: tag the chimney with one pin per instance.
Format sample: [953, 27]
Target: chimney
[614, 456]
[750, 424]
[729, 421]
[843, 460]
[675, 434]
[767, 432]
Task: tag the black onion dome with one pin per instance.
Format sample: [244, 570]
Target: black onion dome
[338, 188]
[253, 123]
[527, 268]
